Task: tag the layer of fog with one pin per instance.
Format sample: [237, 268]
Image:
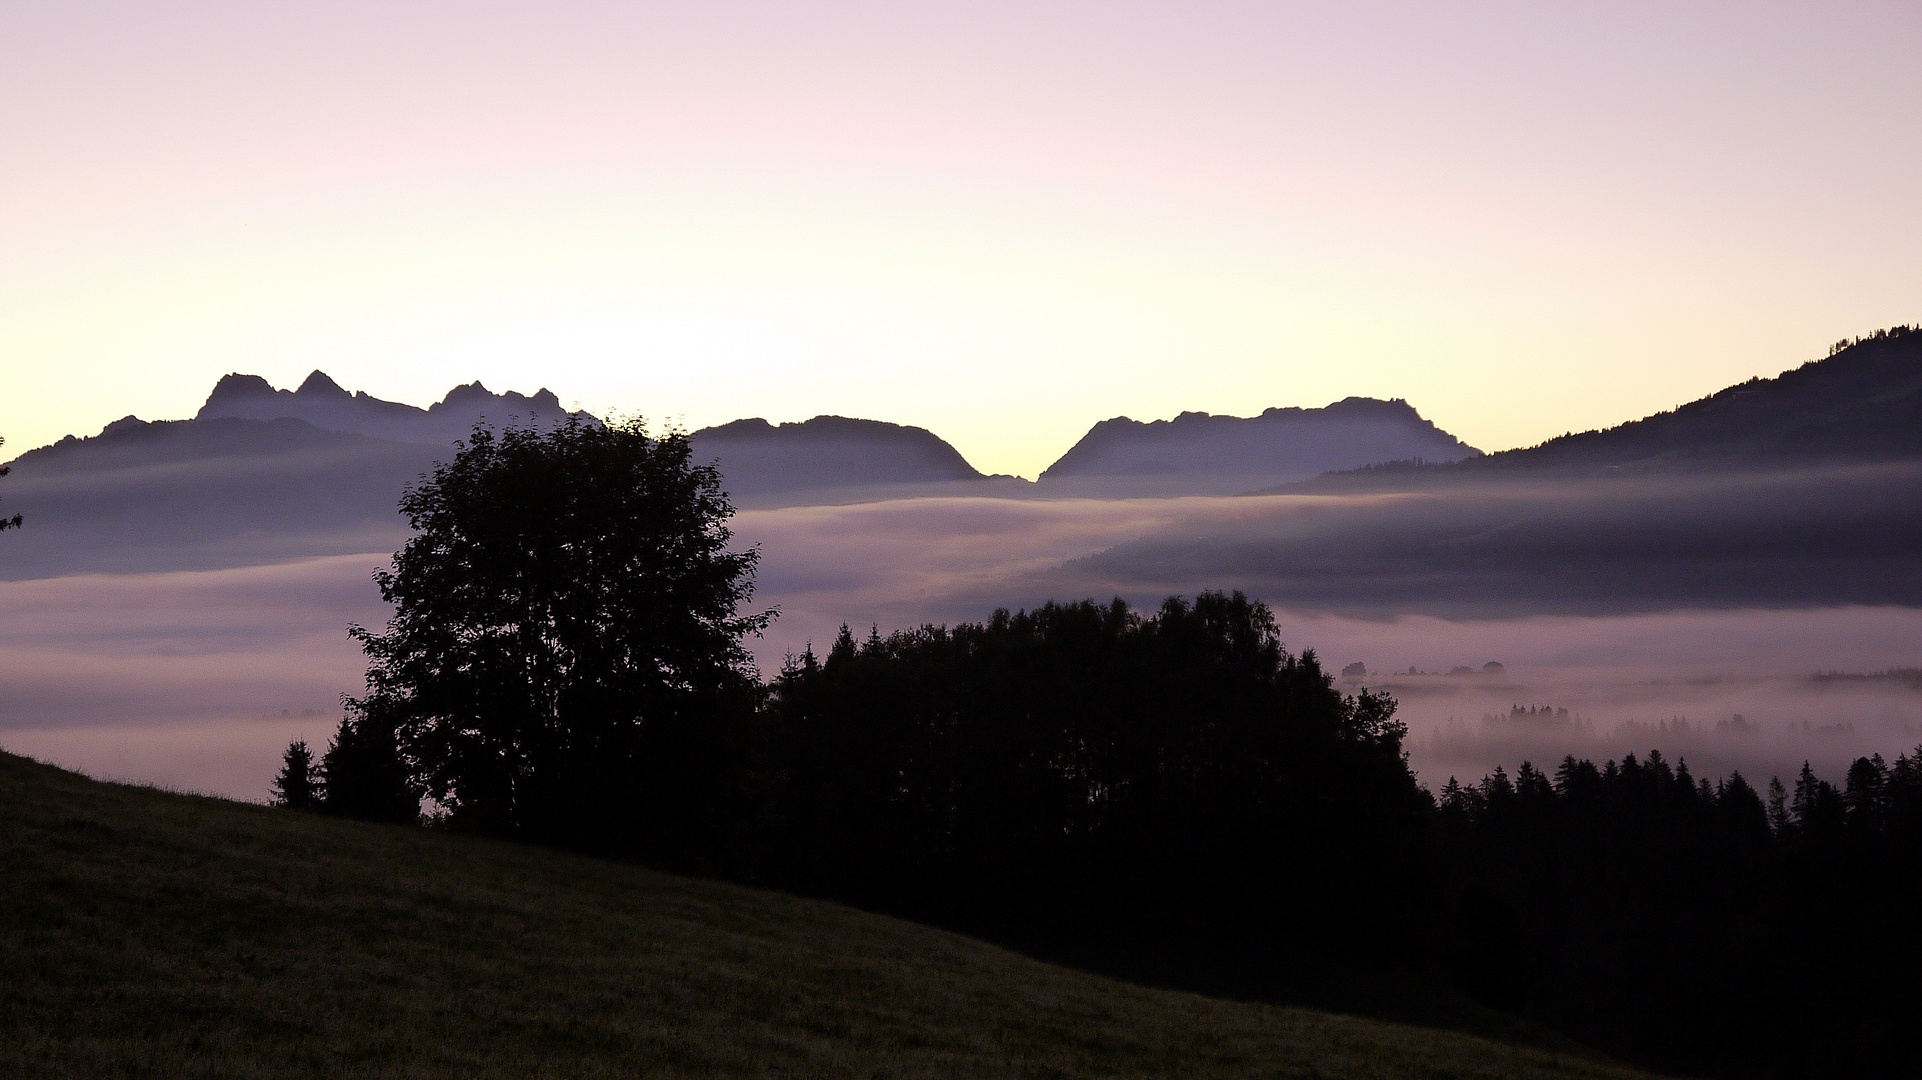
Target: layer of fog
[192, 679]
[1535, 543]
[198, 679]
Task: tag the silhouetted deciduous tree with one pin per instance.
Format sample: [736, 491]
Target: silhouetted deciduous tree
[564, 662]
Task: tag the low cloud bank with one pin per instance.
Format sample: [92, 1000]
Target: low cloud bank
[1526, 546]
[194, 680]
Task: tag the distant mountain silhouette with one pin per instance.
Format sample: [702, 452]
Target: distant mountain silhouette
[1200, 454]
[203, 494]
[262, 474]
[258, 475]
[763, 462]
[759, 461]
[320, 401]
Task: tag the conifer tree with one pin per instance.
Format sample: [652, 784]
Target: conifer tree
[1778, 812]
[295, 787]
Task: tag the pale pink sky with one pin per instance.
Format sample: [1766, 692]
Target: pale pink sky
[1000, 221]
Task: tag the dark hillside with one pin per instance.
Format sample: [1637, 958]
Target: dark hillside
[1862, 403]
[151, 934]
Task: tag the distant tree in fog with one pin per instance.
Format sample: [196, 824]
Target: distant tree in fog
[1778, 810]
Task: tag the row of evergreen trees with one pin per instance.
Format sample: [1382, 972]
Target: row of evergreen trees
[1704, 927]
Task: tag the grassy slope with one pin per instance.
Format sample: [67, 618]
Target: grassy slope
[152, 934]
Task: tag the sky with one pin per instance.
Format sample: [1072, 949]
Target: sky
[1000, 221]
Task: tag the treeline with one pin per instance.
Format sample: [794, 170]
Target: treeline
[1708, 928]
[1169, 793]
[362, 775]
[1889, 334]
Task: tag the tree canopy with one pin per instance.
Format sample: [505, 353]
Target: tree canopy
[1082, 775]
[566, 644]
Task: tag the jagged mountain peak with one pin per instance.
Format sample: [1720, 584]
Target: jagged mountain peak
[237, 387]
[325, 404]
[319, 385]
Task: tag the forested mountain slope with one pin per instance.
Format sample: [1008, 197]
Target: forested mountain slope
[1860, 404]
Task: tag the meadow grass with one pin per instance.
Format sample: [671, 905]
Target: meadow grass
[151, 934]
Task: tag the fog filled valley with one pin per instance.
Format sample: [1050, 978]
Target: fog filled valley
[196, 679]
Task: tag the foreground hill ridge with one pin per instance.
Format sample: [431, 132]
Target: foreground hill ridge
[160, 934]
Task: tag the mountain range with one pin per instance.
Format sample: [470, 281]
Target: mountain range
[261, 474]
[321, 402]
